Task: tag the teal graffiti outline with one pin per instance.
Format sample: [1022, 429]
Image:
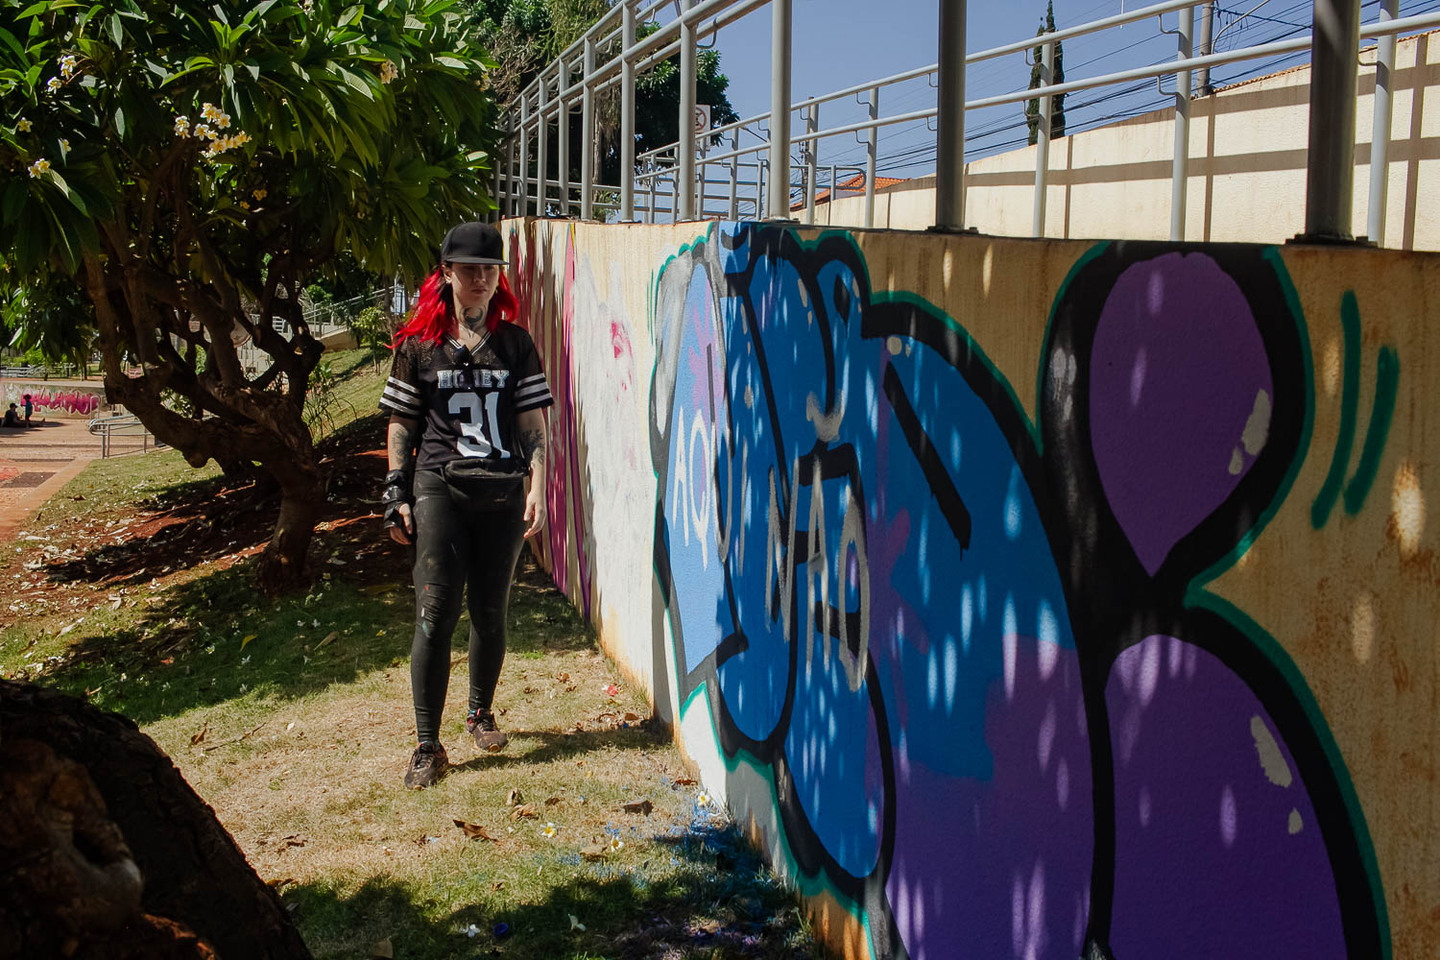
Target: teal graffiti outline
[1199, 596]
[807, 886]
[1382, 412]
[1349, 405]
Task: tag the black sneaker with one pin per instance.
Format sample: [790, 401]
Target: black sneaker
[488, 737]
[427, 765]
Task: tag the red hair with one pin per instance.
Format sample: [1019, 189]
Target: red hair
[434, 315]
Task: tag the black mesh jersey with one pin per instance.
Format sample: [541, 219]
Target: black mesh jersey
[468, 401]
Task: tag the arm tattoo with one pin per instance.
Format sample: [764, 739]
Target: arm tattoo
[533, 443]
[400, 444]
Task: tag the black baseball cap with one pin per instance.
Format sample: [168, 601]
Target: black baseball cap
[473, 242]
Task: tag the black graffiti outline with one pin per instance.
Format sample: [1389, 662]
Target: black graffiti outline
[1061, 473]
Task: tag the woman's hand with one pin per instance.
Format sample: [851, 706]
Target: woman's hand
[534, 508]
[399, 518]
[532, 440]
[404, 531]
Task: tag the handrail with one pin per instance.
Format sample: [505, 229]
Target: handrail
[1369, 31]
[122, 424]
[554, 102]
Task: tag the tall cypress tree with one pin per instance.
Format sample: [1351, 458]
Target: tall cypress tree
[1032, 107]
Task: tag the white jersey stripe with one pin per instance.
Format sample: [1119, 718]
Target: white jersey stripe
[401, 385]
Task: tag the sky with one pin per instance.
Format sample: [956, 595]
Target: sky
[843, 43]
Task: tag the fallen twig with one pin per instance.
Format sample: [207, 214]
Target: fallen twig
[225, 743]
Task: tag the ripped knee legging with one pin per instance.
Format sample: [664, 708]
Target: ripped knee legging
[468, 536]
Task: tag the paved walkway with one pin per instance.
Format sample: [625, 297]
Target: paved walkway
[35, 462]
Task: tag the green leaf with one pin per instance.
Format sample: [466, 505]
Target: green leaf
[8, 38]
[15, 195]
[120, 122]
[117, 32]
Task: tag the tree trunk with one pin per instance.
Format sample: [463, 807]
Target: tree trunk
[302, 494]
[194, 875]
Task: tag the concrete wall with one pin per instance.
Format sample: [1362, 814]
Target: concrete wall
[1018, 594]
[1246, 178]
[66, 398]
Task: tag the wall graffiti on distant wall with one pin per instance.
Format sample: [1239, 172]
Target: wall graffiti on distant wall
[71, 401]
[974, 655]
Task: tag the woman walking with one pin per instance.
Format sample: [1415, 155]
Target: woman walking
[466, 398]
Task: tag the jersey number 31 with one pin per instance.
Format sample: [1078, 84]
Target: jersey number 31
[479, 424]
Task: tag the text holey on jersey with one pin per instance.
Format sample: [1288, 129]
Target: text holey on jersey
[472, 379]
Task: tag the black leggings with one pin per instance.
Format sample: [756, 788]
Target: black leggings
[468, 536]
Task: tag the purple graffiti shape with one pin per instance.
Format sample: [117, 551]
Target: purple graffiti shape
[1205, 786]
[1180, 398]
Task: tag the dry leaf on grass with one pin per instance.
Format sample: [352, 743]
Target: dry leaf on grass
[563, 677]
[329, 638]
[631, 717]
[551, 801]
[514, 798]
[684, 782]
[294, 840]
[382, 950]
[200, 737]
[595, 851]
[474, 831]
[638, 806]
[524, 811]
[279, 882]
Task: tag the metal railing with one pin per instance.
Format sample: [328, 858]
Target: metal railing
[108, 429]
[674, 181]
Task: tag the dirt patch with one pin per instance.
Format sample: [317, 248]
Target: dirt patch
[223, 522]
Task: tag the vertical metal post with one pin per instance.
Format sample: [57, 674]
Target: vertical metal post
[1207, 44]
[650, 192]
[563, 121]
[812, 159]
[1042, 139]
[1380, 138]
[510, 166]
[1180, 165]
[780, 22]
[627, 113]
[735, 175]
[1334, 72]
[587, 135]
[950, 140]
[685, 181]
[499, 197]
[524, 156]
[872, 144]
[542, 202]
[761, 200]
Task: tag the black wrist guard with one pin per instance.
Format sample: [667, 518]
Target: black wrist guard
[396, 493]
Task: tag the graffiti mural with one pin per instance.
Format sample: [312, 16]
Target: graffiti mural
[80, 402]
[974, 655]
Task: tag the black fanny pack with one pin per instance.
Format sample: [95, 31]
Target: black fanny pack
[476, 476]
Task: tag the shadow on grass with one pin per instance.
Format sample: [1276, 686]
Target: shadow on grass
[562, 746]
[214, 639]
[197, 521]
[711, 898]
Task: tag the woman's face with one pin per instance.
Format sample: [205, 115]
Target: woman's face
[473, 285]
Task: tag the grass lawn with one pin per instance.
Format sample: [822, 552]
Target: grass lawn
[585, 838]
